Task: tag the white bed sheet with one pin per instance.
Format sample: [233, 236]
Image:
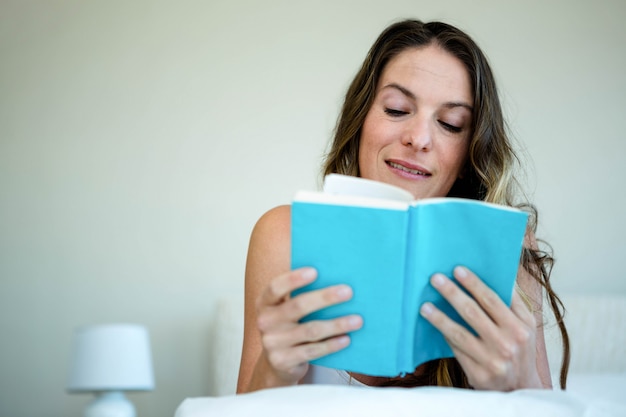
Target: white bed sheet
[342, 401]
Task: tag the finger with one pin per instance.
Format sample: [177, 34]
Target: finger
[458, 337]
[289, 358]
[467, 307]
[519, 307]
[488, 300]
[519, 321]
[294, 309]
[280, 287]
[489, 374]
[471, 368]
[516, 326]
[480, 363]
[313, 331]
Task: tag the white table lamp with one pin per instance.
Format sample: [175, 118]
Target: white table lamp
[108, 360]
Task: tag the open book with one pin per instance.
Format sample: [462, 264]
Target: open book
[386, 246]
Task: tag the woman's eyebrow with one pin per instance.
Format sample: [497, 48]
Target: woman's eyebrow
[412, 96]
[454, 104]
[403, 90]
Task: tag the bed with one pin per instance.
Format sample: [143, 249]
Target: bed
[596, 386]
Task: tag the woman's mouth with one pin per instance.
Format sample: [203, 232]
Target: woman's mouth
[409, 170]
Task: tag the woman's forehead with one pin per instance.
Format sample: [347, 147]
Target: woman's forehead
[428, 70]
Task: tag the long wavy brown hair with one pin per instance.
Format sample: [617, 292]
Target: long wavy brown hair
[489, 171]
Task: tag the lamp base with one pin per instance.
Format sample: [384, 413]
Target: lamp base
[110, 404]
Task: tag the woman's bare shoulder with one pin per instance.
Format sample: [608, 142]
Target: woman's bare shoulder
[274, 225]
[279, 216]
[269, 255]
[270, 244]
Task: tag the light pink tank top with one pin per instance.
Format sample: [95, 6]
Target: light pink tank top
[328, 376]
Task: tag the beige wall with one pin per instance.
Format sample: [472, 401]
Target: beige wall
[139, 142]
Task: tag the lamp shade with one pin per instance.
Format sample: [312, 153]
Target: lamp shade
[111, 357]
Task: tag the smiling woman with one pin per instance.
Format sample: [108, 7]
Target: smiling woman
[416, 133]
[422, 113]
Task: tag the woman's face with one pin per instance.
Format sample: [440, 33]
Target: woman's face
[416, 134]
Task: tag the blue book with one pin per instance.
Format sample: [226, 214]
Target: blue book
[375, 238]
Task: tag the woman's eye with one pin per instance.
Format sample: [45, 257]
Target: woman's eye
[451, 128]
[395, 112]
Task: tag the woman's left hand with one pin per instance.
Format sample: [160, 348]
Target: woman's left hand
[503, 354]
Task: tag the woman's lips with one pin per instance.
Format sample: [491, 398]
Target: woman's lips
[410, 169]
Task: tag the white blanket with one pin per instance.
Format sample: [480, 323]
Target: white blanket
[343, 401]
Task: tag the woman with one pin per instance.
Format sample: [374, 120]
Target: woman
[422, 113]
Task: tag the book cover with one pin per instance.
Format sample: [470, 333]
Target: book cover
[375, 238]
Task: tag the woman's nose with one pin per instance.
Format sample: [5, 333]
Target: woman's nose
[418, 134]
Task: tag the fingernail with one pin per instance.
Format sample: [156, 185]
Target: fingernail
[460, 272]
[355, 322]
[308, 274]
[437, 280]
[343, 291]
[427, 309]
[343, 341]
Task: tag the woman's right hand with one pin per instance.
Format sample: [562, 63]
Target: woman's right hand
[289, 345]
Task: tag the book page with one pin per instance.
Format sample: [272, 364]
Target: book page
[348, 200]
[355, 186]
